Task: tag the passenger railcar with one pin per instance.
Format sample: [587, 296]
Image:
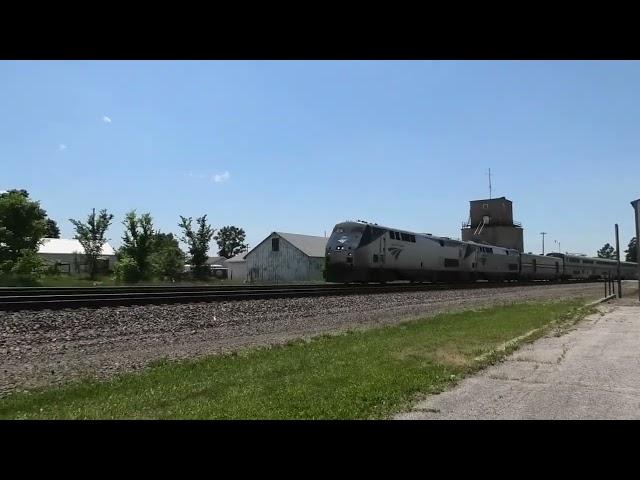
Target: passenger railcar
[363, 252]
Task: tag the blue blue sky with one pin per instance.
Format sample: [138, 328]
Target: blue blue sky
[299, 146]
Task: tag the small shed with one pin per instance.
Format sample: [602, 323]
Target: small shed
[237, 266]
[286, 257]
[69, 255]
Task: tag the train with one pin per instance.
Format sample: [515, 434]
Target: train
[362, 252]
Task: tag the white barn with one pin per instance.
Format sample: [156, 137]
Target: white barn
[286, 257]
[70, 257]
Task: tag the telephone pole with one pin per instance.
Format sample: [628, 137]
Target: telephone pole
[618, 263]
[489, 184]
[543, 234]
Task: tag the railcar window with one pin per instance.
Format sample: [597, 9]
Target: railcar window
[451, 262]
[413, 238]
[338, 230]
[587, 261]
[441, 243]
[375, 258]
[275, 244]
[405, 237]
[513, 266]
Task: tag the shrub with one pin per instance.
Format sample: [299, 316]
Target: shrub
[127, 270]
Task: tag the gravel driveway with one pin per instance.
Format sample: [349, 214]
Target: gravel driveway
[52, 347]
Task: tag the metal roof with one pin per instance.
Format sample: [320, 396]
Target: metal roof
[237, 258]
[212, 260]
[68, 246]
[308, 244]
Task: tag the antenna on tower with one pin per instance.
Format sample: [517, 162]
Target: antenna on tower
[489, 184]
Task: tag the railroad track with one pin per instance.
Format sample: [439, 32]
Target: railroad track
[55, 298]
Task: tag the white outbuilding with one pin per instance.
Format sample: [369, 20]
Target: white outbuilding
[69, 255]
[237, 266]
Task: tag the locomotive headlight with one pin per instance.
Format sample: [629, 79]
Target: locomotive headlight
[349, 254]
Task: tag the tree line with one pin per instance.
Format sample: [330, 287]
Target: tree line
[631, 253]
[145, 252]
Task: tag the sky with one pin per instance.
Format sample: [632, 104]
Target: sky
[298, 146]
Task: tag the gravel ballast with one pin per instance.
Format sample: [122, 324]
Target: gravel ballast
[52, 347]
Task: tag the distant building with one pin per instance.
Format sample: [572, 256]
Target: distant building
[491, 221]
[70, 257]
[286, 257]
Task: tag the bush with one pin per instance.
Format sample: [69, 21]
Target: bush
[29, 264]
[53, 270]
[127, 270]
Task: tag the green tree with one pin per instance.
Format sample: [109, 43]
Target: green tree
[22, 227]
[137, 241]
[92, 236]
[230, 241]
[198, 242]
[52, 229]
[607, 251]
[632, 250]
[167, 259]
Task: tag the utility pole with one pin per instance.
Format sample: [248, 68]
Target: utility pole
[636, 206]
[618, 258]
[489, 184]
[559, 249]
[543, 234]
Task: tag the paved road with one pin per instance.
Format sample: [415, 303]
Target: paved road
[592, 372]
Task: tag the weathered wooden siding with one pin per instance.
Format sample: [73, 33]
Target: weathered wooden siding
[287, 265]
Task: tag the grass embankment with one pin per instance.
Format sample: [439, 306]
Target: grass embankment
[103, 281]
[359, 375]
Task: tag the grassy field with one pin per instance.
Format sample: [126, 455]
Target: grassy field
[102, 281]
[358, 375]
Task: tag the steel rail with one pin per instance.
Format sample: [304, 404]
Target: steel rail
[95, 297]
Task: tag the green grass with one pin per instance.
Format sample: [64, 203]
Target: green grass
[102, 281]
[358, 375]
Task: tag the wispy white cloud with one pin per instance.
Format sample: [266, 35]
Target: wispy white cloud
[62, 146]
[194, 175]
[221, 177]
[106, 119]
[218, 177]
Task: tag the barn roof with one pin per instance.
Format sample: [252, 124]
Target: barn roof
[308, 244]
[68, 246]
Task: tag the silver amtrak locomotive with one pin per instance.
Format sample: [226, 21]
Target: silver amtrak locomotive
[364, 252]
